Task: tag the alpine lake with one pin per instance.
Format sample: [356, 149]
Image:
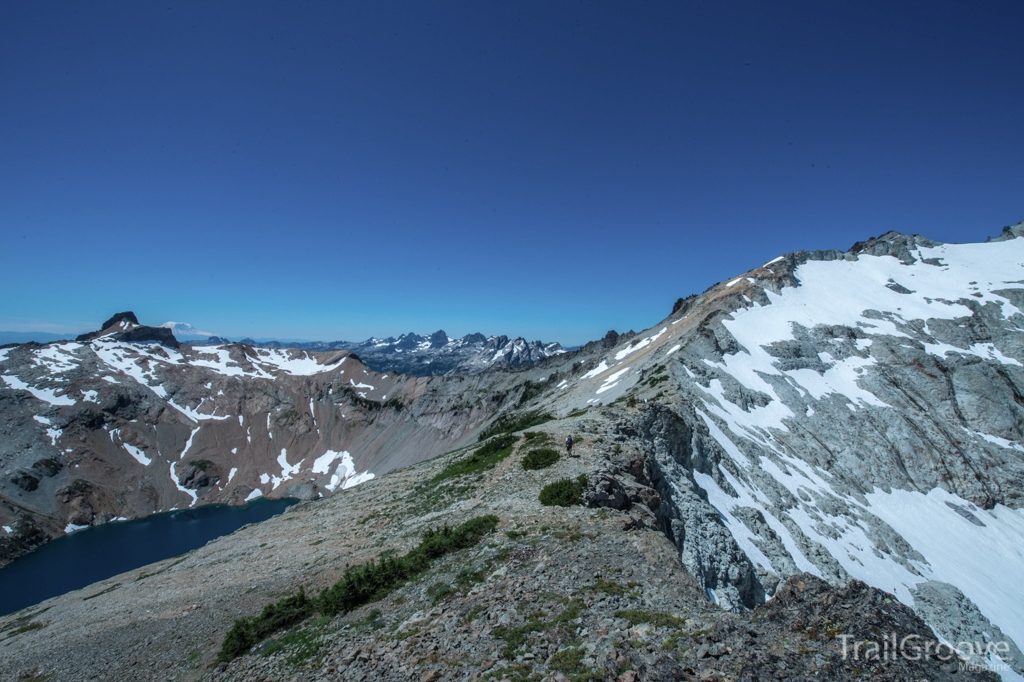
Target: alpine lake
[100, 552]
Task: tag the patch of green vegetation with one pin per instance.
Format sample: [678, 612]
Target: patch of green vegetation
[511, 423]
[513, 534]
[405, 634]
[565, 492]
[369, 517]
[431, 497]
[143, 576]
[531, 389]
[301, 645]
[657, 619]
[522, 672]
[610, 587]
[287, 416]
[515, 637]
[541, 458]
[25, 627]
[247, 632]
[359, 585]
[570, 535]
[438, 591]
[102, 592]
[201, 464]
[371, 620]
[368, 582]
[570, 662]
[577, 413]
[23, 623]
[483, 458]
[535, 437]
[671, 642]
[473, 613]
[573, 609]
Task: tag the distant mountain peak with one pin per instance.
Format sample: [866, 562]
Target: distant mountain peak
[125, 327]
[184, 330]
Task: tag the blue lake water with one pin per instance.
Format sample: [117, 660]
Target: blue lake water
[94, 554]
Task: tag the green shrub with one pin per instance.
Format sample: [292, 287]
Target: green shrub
[564, 492]
[247, 632]
[362, 584]
[510, 423]
[516, 637]
[484, 457]
[540, 458]
[359, 585]
[570, 662]
[438, 591]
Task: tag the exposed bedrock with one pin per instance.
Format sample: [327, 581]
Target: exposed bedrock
[957, 620]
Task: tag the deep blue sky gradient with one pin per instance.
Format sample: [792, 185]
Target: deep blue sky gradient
[329, 170]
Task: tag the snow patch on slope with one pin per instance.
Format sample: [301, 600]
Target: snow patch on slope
[345, 476]
[47, 395]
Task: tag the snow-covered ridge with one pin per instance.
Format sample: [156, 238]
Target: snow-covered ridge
[434, 354]
[860, 416]
[105, 381]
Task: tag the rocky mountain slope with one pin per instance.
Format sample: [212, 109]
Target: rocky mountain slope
[826, 417]
[575, 593]
[432, 355]
[124, 422]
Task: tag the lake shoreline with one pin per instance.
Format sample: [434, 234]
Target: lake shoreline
[93, 554]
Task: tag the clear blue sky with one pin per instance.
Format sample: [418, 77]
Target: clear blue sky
[329, 170]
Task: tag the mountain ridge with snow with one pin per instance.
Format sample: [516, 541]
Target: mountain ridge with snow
[430, 355]
[847, 414]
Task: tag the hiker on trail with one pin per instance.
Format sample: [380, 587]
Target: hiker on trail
[568, 445]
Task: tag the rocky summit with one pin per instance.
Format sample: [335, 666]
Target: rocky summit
[810, 471]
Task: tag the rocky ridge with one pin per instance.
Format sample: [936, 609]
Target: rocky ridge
[592, 592]
[828, 417]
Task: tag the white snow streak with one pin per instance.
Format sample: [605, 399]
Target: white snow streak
[48, 395]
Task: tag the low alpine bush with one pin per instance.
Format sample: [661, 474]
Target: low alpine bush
[565, 492]
[484, 457]
[541, 458]
[359, 585]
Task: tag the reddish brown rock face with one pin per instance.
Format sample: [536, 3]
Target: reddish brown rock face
[125, 429]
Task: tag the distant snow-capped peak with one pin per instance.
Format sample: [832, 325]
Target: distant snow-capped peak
[184, 330]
